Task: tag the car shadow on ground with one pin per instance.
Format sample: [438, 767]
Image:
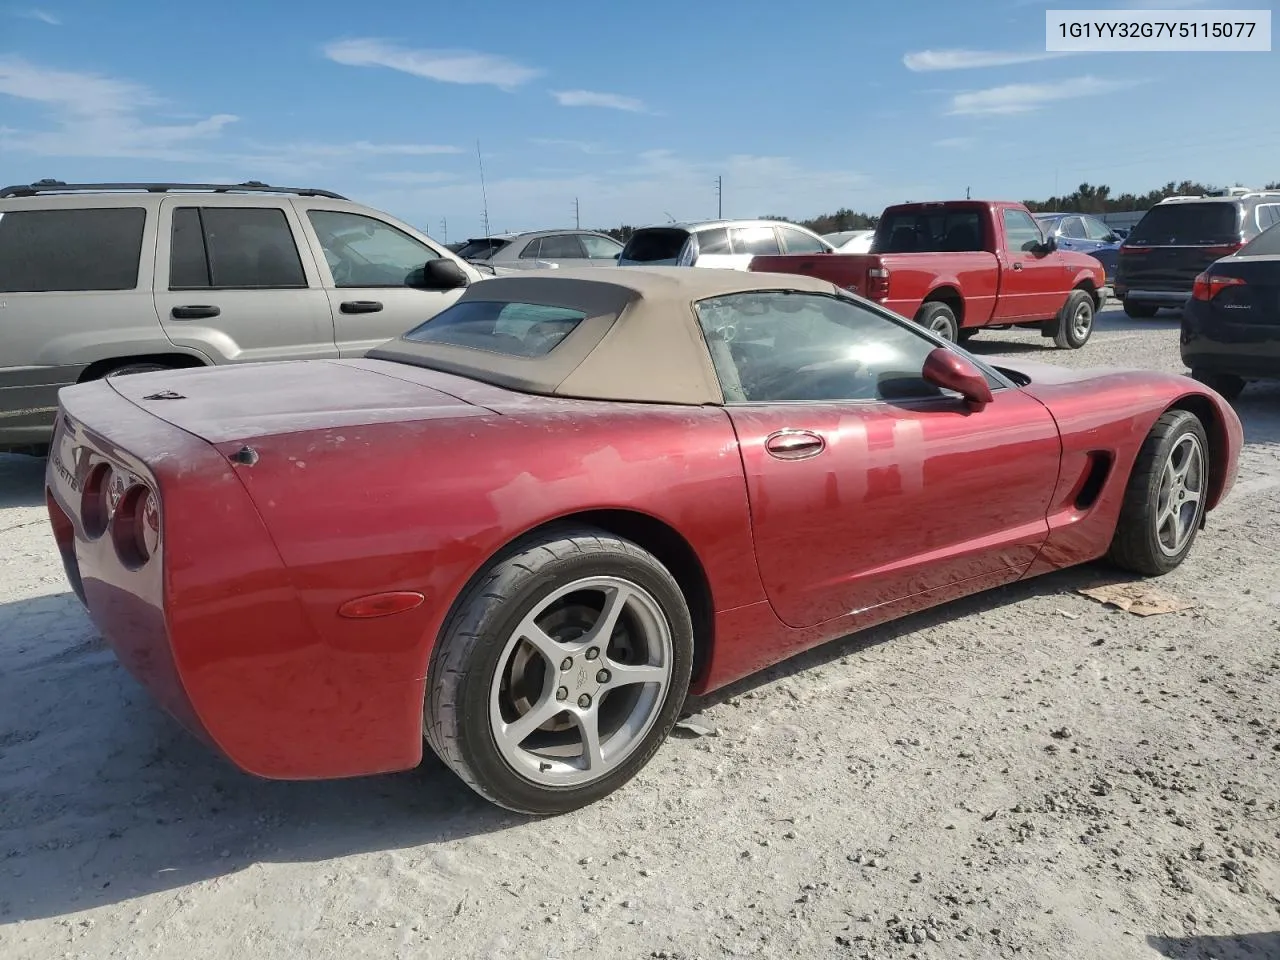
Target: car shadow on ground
[21, 481]
[1244, 946]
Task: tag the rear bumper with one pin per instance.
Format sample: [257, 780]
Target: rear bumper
[1209, 344]
[212, 625]
[1163, 298]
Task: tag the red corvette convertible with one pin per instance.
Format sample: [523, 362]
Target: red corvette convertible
[526, 529]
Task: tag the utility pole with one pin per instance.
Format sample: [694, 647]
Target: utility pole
[577, 221]
[444, 229]
[483, 193]
[966, 193]
[720, 198]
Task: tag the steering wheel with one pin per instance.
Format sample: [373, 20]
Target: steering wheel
[823, 378]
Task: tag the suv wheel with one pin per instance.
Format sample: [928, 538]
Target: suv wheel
[1140, 311]
[1227, 384]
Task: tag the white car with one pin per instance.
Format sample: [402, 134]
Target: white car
[726, 244]
[851, 241]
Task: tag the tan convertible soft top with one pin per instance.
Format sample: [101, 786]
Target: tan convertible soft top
[641, 340]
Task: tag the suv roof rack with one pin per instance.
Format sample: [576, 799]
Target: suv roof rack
[249, 186]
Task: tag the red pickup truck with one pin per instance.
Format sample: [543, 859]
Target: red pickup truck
[956, 266]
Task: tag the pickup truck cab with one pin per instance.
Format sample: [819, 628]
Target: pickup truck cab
[957, 266]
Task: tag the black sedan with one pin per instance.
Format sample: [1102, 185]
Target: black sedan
[1231, 324]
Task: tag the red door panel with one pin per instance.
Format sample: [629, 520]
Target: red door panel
[895, 499]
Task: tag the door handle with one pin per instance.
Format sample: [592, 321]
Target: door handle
[794, 444]
[195, 312]
[1017, 266]
[361, 306]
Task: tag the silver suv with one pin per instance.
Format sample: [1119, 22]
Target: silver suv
[542, 249]
[727, 244]
[99, 279]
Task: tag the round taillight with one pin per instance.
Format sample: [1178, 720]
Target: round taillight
[135, 526]
[95, 511]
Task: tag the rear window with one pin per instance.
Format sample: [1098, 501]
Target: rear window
[929, 232]
[514, 329]
[70, 250]
[1265, 244]
[650, 246]
[1188, 223]
[480, 249]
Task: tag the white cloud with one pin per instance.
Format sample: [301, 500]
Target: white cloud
[926, 61]
[97, 116]
[1026, 97]
[642, 189]
[446, 66]
[583, 146]
[589, 98]
[44, 16]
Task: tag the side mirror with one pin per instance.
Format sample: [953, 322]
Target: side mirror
[442, 274]
[947, 369]
[1050, 244]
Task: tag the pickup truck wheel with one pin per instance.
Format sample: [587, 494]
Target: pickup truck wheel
[939, 318]
[1075, 321]
[560, 672]
[1140, 311]
[1164, 501]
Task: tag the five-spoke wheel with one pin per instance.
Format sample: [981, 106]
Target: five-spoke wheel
[560, 671]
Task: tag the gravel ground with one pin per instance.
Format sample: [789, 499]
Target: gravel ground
[1026, 773]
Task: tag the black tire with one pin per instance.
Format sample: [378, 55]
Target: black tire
[939, 318]
[1136, 545]
[127, 368]
[1227, 384]
[470, 653]
[1140, 311]
[1074, 324]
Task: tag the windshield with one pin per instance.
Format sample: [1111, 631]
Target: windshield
[481, 249]
[1187, 223]
[1265, 244]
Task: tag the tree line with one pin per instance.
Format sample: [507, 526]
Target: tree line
[1086, 198]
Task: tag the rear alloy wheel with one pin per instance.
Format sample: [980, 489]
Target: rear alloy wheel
[1140, 311]
[1227, 384]
[1165, 500]
[560, 672]
[1074, 325]
[940, 319]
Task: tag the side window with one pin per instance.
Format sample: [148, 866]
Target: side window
[532, 249]
[1267, 214]
[1021, 232]
[366, 252]
[714, 241]
[561, 246]
[798, 241]
[1073, 228]
[245, 248]
[756, 241]
[1095, 229]
[600, 248]
[776, 347]
[96, 248]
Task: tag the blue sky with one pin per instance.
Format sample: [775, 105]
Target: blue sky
[634, 109]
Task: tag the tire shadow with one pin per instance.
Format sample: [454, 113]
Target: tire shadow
[1243, 946]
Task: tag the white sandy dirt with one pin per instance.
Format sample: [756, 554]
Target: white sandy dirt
[1026, 773]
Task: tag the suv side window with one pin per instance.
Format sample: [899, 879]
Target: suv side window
[561, 246]
[798, 241]
[1095, 229]
[1267, 214]
[366, 252]
[532, 249]
[600, 248]
[713, 241]
[1073, 228]
[233, 248]
[757, 241]
[94, 248]
[1021, 232]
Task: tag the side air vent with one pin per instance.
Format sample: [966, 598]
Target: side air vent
[1095, 475]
